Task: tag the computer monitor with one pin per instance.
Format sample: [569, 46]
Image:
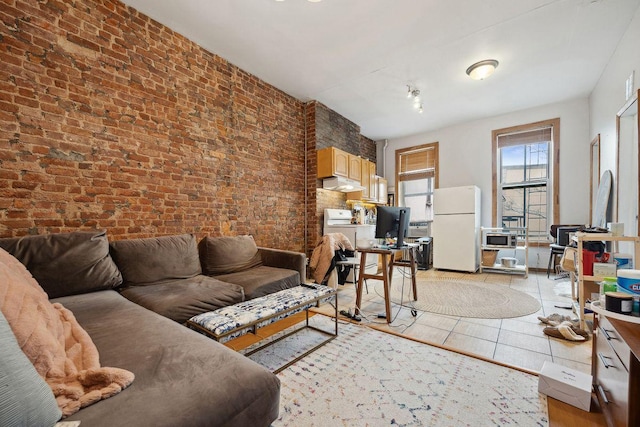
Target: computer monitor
[392, 221]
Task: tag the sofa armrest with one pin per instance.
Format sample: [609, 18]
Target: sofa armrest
[285, 259]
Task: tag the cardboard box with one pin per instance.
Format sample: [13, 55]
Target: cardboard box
[566, 384]
[604, 269]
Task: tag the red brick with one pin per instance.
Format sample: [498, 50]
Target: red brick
[152, 134]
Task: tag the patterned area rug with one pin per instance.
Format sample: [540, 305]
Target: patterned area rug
[464, 298]
[370, 378]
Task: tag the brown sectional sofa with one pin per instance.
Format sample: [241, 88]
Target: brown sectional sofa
[131, 297]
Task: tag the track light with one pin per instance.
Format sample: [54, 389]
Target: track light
[414, 93]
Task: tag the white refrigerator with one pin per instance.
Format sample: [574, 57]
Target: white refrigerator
[455, 228]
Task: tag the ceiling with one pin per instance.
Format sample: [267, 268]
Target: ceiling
[358, 56]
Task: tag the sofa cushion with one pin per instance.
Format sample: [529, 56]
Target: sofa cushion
[67, 263]
[154, 259]
[25, 398]
[228, 254]
[263, 280]
[182, 378]
[182, 299]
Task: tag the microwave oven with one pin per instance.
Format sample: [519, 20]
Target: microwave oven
[501, 240]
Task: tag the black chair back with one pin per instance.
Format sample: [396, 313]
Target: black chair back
[563, 233]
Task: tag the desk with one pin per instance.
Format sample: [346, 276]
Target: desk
[388, 262]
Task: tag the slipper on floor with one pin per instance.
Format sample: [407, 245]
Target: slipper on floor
[564, 332]
[575, 323]
[554, 319]
[575, 328]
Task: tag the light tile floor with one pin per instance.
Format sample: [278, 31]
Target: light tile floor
[516, 341]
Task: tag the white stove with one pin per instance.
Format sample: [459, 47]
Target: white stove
[339, 217]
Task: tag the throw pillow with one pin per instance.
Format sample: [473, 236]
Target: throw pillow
[224, 255]
[67, 263]
[156, 259]
[25, 398]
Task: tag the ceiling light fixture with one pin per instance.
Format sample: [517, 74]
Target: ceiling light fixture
[483, 69]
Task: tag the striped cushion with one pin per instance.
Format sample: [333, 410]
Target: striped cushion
[25, 398]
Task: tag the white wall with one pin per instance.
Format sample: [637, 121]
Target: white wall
[465, 155]
[465, 159]
[608, 96]
[465, 149]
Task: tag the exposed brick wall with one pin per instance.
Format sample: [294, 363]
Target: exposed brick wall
[334, 130]
[111, 120]
[368, 149]
[326, 128]
[312, 232]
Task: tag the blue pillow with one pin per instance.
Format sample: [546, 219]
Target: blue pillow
[25, 398]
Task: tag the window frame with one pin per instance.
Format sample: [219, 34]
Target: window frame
[554, 164]
[422, 174]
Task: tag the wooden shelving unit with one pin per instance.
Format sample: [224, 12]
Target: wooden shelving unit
[522, 244]
[582, 278]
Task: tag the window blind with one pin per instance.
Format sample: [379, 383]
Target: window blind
[417, 164]
[525, 137]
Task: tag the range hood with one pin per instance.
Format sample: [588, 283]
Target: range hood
[339, 183]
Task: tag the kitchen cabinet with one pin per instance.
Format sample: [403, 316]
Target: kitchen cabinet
[381, 184]
[373, 187]
[365, 194]
[335, 162]
[616, 369]
[332, 162]
[375, 190]
[355, 167]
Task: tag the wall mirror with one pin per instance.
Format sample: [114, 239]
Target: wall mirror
[627, 178]
[594, 179]
[602, 203]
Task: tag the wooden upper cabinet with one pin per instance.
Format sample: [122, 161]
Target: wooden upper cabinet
[382, 189]
[335, 162]
[366, 179]
[355, 167]
[373, 188]
[332, 162]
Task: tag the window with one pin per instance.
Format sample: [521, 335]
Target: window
[416, 177]
[525, 177]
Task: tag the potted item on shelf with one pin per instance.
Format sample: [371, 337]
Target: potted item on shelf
[489, 257]
[508, 262]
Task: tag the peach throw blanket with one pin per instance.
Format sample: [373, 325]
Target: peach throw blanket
[61, 351]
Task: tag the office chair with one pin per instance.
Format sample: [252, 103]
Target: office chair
[560, 234]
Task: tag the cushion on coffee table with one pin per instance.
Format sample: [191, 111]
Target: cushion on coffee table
[248, 314]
